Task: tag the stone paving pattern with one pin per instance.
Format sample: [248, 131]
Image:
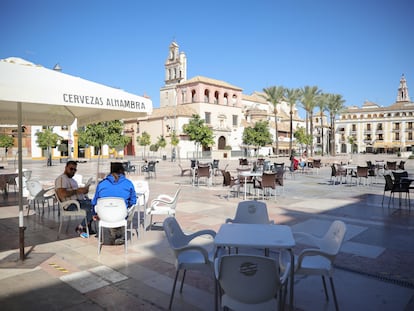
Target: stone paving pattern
[374, 268]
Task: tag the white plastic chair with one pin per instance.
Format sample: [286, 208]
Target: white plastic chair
[163, 205]
[251, 282]
[143, 192]
[318, 260]
[38, 195]
[63, 205]
[112, 213]
[188, 257]
[251, 212]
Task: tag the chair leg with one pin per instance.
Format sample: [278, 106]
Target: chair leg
[182, 281]
[100, 236]
[173, 289]
[333, 293]
[60, 226]
[126, 238]
[324, 287]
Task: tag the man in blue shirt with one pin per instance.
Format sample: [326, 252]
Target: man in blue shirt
[116, 185]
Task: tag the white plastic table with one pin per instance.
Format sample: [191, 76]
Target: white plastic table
[246, 174]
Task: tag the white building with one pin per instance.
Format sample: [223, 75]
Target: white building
[223, 107]
[378, 129]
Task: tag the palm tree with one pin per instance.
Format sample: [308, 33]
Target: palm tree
[274, 95]
[292, 97]
[335, 105]
[309, 95]
[322, 102]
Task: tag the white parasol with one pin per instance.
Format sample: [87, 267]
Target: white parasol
[34, 95]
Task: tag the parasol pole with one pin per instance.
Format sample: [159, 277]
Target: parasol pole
[20, 176]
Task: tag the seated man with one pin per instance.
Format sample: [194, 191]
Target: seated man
[67, 188]
[116, 185]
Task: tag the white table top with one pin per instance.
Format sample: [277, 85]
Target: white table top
[248, 174]
[255, 235]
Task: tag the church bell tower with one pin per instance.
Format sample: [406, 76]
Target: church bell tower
[403, 91]
[175, 73]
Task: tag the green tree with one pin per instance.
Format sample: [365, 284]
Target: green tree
[47, 139]
[302, 137]
[6, 142]
[352, 141]
[161, 142]
[144, 140]
[257, 136]
[335, 105]
[292, 97]
[104, 133]
[309, 95]
[274, 95]
[198, 132]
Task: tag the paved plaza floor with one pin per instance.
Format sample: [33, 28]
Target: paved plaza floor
[374, 269]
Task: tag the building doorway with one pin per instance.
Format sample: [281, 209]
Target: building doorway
[221, 143]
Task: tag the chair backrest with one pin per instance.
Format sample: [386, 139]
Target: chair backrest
[268, 180]
[249, 279]
[333, 170]
[175, 235]
[251, 212]
[142, 190]
[203, 171]
[333, 238]
[317, 163]
[34, 187]
[111, 209]
[398, 175]
[226, 178]
[25, 191]
[151, 166]
[362, 171]
[389, 183]
[391, 165]
[279, 177]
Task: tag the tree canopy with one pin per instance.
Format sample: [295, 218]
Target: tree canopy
[198, 132]
[104, 133]
[258, 136]
[47, 139]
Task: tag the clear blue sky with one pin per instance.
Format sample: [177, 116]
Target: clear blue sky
[356, 48]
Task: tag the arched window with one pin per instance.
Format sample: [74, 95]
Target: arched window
[234, 100]
[206, 96]
[216, 97]
[193, 95]
[226, 99]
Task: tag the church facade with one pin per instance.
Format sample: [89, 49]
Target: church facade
[222, 106]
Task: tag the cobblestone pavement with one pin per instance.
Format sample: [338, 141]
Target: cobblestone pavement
[374, 268]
